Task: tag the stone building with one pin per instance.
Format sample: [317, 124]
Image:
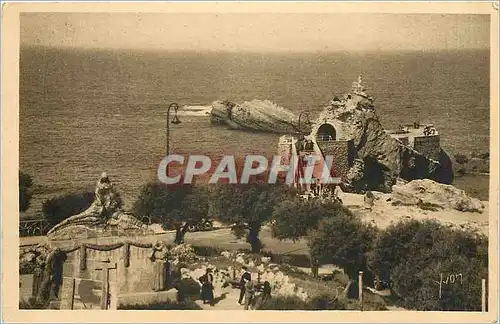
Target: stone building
[422, 138]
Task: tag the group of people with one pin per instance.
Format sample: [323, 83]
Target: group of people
[429, 130]
[250, 292]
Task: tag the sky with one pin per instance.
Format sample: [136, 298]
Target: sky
[257, 32]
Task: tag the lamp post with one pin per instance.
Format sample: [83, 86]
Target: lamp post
[306, 113]
[175, 121]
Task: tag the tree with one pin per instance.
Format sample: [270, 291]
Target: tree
[343, 240]
[59, 208]
[294, 218]
[176, 206]
[415, 254]
[246, 207]
[25, 193]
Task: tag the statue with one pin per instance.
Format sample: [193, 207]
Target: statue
[105, 204]
[105, 214]
[159, 257]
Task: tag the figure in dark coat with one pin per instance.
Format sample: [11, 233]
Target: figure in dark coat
[207, 287]
[245, 277]
[266, 291]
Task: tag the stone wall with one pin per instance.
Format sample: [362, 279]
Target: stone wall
[137, 276]
[131, 275]
[428, 146]
[343, 155]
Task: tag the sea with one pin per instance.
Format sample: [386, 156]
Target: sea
[87, 111]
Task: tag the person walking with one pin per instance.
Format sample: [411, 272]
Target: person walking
[266, 291]
[249, 294]
[245, 277]
[207, 287]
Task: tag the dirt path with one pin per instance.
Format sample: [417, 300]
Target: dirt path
[225, 300]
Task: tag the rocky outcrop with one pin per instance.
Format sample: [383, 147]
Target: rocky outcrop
[384, 157]
[103, 218]
[430, 195]
[255, 115]
[473, 163]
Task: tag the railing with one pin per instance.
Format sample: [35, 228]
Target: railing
[325, 138]
[34, 227]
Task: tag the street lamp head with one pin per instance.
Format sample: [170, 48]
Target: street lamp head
[176, 120]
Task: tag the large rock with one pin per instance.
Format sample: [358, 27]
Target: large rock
[384, 157]
[473, 163]
[428, 194]
[256, 115]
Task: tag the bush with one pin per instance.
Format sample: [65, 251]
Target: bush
[413, 255]
[175, 206]
[25, 194]
[343, 240]
[284, 303]
[33, 303]
[188, 289]
[57, 209]
[319, 302]
[292, 219]
[169, 305]
[461, 158]
[372, 302]
[326, 302]
[206, 251]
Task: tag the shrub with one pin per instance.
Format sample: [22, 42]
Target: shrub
[292, 219]
[33, 303]
[297, 260]
[176, 206]
[284, 303]
[372, 302]
[414, 254]
[326, 302]
[25, 194]
[343, 240]
[461, 158]
[57, 209]
[206, 251]
[188, 289]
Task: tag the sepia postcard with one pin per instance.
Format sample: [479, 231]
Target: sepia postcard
[250, 162]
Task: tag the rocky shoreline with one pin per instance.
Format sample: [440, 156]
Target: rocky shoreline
[472, 163]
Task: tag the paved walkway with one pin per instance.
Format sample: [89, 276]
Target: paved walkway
[227, 300]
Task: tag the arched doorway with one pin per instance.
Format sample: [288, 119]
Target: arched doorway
[326, 132]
